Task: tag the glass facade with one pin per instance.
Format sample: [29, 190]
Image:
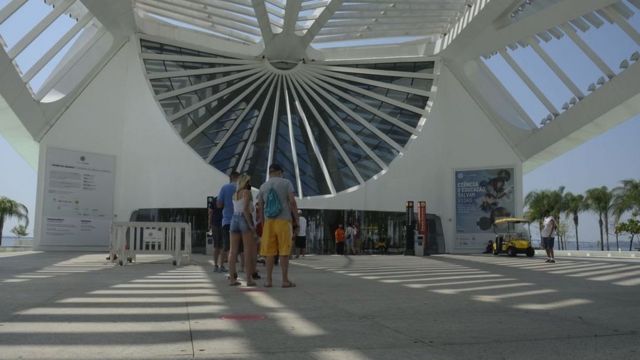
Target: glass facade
[330, 127]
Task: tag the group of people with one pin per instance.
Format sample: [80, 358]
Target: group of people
[240, 226]
[347, 240]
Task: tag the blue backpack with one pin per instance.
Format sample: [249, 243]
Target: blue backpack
[272, 207]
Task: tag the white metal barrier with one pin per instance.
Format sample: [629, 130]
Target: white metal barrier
[131, 238]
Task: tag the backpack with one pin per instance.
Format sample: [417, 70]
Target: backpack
[272, 207]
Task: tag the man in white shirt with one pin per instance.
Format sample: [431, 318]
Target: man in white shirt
[548, 232]
[301, 235]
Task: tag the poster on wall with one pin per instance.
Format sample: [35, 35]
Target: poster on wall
[78, 199]
[481, 196]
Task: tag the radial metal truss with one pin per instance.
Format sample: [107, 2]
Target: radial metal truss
[330, 125]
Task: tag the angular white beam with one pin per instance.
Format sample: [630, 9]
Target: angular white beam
[39, 28]
[587, 50]
[10, 8]
[556, 69]
[51, 53]
[263, 20]
[530, 84]
[319, 23]
[623, 24]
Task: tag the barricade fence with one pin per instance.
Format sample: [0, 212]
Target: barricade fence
[129, 239]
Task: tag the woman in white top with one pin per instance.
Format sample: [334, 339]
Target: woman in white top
[242, 229]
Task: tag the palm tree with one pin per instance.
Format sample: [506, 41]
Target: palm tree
[541, 203]
[626, 198]
[572, 206]
[12, 209]
[600, 200]
[536, 203]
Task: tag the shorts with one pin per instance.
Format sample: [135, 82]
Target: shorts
[349, 241]
[301, 242]
[276, 238]
[216, 232]
[226, 237]
[547, 242]
[239, 224]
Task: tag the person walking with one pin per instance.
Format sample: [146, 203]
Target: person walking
[548, 233]
[350, 234]
[225, 202]
[301, 236]
[339, 240]
[277, 210]
[243, 230]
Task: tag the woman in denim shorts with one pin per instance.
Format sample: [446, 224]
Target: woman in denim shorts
[242, 229]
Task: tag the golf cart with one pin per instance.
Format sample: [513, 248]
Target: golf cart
[512, 237]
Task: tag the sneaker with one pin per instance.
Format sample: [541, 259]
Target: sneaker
[216, 269]
[256, 276]
[223, 270]
[552, 261]
[548, 261]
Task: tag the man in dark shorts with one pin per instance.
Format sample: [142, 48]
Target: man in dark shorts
[218, 245]
[224, 202]
[301, 235]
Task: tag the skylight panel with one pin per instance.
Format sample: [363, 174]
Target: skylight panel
[42, 39]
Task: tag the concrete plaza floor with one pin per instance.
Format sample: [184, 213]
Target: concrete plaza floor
[80, 306]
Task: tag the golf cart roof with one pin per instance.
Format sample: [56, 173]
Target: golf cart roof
[505, 220]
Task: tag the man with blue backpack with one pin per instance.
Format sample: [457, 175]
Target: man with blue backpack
[277, 210]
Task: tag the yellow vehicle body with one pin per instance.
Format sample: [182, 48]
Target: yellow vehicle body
[512, 237]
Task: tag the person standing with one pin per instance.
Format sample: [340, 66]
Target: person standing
[277, 206]
[339, 240]
[215, 228]
[225, 202]
[242, 230]
[549, 227]
[301, 236]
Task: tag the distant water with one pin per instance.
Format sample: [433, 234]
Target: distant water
[571, 245]
[10, 241]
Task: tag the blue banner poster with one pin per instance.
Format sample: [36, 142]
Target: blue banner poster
[481, 197]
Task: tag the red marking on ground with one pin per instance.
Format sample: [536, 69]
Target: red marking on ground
[243, 317]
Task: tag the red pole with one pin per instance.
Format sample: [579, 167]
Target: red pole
[424, 227]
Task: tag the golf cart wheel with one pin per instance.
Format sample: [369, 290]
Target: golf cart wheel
[530, 252]
[511, 251]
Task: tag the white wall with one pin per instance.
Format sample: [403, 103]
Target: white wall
[117, 115]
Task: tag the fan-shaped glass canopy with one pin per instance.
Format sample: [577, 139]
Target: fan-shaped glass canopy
[330, 125]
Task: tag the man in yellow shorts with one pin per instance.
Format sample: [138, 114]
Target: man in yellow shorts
[276, 207]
